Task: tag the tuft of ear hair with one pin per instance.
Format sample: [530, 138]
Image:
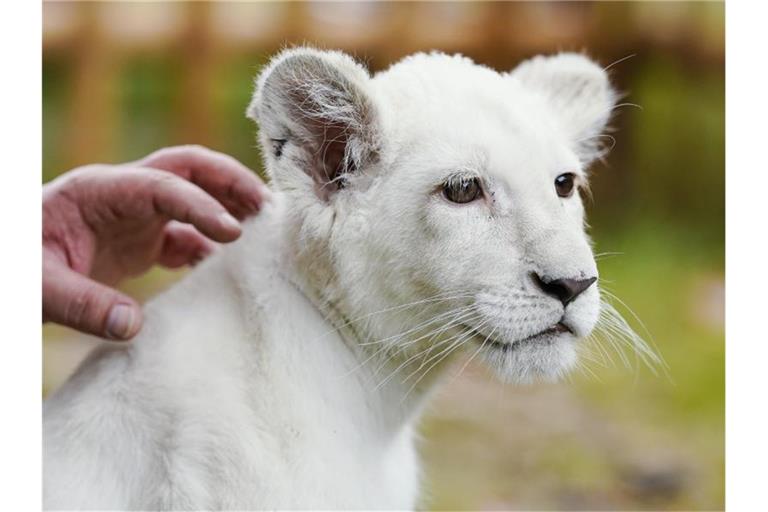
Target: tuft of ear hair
[580, 94]
[313, 107]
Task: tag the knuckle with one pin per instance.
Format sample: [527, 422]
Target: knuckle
[171, 156]
[83, 176]
[81, 309]
[196, 149]
[163, 182]
[173, 196]
[167, 152]
[164, 178]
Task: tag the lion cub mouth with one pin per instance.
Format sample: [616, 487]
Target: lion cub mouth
[548, 335]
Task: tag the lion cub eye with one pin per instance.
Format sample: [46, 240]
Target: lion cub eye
[564, 184]
[462, 189]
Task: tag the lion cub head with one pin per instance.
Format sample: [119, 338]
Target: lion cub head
[436, 205]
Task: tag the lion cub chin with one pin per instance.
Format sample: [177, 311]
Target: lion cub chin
[427, 211]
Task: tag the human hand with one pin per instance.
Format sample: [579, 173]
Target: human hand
[102, 223]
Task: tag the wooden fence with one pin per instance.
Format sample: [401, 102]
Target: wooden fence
[96, 38]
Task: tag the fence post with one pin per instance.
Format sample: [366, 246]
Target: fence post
[94, 113]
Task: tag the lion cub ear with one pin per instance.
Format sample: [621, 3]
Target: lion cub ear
[579, 92]
[318, 123]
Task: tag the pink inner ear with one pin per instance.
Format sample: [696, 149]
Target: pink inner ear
[329, 159]
[317, 102]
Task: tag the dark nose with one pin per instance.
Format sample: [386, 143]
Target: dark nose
[564, 289]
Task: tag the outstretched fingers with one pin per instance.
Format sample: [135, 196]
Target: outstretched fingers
[220, 175]
[180, 200]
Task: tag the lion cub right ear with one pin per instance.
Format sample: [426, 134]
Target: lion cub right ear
[318, 124]
[579, 92]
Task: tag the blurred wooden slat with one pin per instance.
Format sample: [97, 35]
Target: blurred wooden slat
[100, 37]
[197, 67]
[528, 27]
[94, 103]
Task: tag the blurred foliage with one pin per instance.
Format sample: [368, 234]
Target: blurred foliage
[612, 438]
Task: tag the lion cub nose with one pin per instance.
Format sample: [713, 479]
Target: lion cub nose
[564, 289]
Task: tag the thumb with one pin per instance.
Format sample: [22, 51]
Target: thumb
[76, 301]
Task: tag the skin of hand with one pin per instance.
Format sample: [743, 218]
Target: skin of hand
[103, 223]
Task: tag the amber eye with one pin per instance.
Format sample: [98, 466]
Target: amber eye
[462, 189]
[564, 184]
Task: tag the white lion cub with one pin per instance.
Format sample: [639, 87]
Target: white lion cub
[428, 210]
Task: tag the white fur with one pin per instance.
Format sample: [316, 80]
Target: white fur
[289, 370]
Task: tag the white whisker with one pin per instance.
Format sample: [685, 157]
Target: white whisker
[609, 66]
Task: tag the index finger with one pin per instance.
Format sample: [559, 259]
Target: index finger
[144, 193]
[222, 176]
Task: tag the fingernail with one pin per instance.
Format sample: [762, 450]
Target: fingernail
[229, 222]
[120, 321]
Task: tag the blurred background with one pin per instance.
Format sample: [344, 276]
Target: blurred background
[123, 79]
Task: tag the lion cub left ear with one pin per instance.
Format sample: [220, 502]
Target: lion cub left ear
[318, 122]
[579, 92]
